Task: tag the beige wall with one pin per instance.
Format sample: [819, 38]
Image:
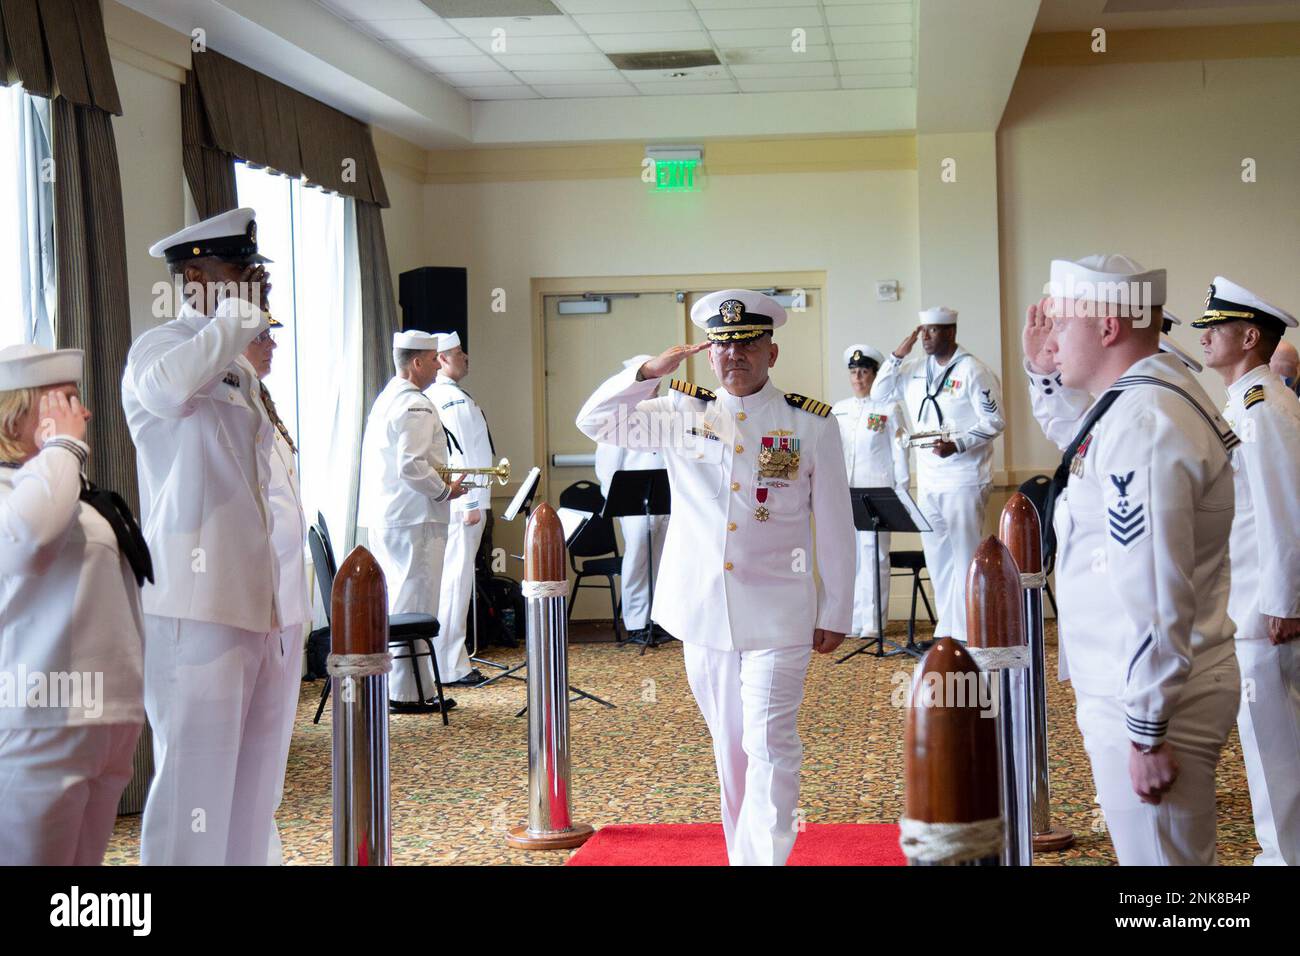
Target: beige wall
[1145, 159]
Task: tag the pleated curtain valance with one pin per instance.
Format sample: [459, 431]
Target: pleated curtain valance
[58, 48]
[235, 110]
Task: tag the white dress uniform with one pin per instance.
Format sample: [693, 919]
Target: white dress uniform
[738, 585]
[472, 448]
[643, 538]
[875, 456]
[404, 505]
[213, 657]
[71, 701]
[1142, 585]
[1265, 548]
[962, 398]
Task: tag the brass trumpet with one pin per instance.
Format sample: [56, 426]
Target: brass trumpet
[501, 471]
[927, 439]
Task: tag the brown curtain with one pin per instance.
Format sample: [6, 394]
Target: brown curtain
[57, 48]
[378, 305]
[93, 301]
[209, 172]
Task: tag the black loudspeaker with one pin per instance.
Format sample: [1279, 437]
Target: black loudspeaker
[435, 299]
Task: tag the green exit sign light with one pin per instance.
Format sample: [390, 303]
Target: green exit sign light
[675, 175]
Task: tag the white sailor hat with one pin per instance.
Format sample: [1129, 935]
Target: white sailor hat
[856, 356]
[229, 235]
[415, 339]
[1167, 345]
[1168, 320]
[1108, 280]
[447, 340]
[939, 315]
[734, 315]
[34, 366]
[1228, 302]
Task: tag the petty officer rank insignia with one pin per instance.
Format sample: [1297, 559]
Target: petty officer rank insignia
[1254, 395]
[691, 390]
[987, 402]
[1126, 508]
[876, 423]
[810, 405]
[231, 379]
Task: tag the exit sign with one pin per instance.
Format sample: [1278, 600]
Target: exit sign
[675, 175]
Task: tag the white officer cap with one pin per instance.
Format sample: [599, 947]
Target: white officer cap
[734, 315]
[34, 366]
[1167, 345]
[1112, 280]
[855, 354]
[415, 339]
[1228, 302]
[447, 340]
[938, 316]
[229, 235]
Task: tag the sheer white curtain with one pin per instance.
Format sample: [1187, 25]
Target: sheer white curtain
[28, 293]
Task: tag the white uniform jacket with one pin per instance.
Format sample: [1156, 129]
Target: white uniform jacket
[728, 580]
[472, 448]
[1142, 532]
[290, 534]
[966, 402]
[403, 445]
[203, 449]
[1265, 542]
[69, 603]
[873, 436]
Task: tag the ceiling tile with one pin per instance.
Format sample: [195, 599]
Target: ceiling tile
[502, 78]
[665, 22]
[875, 13]
[570, 77]
[553, 61]
[552, 44]
[435, 47]
[891, 80]
[858, 67]
[805, 68]
[786, 83]
[578, 92]
[379, 9]
[426, 28]
[460, 64]
[730, 39]
[751, 4]
[777, 18]
[645, 42]
[890, 33]
[497, 93]
[535, 27]
[687, 87]
[873, 51]
[620, 6]
[759, 54]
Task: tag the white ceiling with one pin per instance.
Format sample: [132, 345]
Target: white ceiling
[851, 44]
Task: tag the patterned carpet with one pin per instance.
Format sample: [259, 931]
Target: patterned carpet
[458, 789]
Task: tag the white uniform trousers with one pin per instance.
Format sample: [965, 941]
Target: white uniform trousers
[1180, 830]
[215, 699]
[454, 604]
[635, 573]
[293, 639]
[59, 789]
[411, 559]
[957, 517]
[1269, 724]
[864, 586]
[750, 701]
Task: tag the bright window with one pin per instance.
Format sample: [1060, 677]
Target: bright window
[27, 291]
[315, 378]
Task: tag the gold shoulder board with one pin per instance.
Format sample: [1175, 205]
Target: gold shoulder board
[692, 390]
[1254, 395]
[810, 405]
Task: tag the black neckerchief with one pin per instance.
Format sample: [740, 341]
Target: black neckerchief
[933, 397]
[113, 509]
[1062, 476]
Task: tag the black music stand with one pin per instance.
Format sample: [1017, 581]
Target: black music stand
[640, 492]
[881, 509]
[522, 502]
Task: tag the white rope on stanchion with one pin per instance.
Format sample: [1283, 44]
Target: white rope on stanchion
[950, 842]
[358, 665]
[1034, 579]
[1000, 658]
[545, 589]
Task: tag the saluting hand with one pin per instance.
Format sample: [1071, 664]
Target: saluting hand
[60, 416]
[826, 641]
[667, 362]
[907, 344]
[1152, 774]
[254, 279]
[1038, 326]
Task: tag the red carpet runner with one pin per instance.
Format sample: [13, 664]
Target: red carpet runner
[701, 844]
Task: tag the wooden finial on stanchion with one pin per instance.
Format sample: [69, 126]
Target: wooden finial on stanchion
[951, 815]
[1020, 529]
[997, 643]
[545, 588]
[358, 665]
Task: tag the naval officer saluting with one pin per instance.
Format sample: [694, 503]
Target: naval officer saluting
[750, 468]
[213, 651]
[1241, 332]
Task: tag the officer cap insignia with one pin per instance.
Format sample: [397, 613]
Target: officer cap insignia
[733, 310]
[1254, 395]
[806, 404]
[692, 390]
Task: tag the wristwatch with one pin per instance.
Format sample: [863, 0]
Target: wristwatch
[1147, 748]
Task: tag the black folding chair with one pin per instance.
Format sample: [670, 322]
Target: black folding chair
[404, 630]
[912, 563]
[597, 546]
